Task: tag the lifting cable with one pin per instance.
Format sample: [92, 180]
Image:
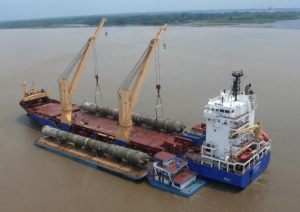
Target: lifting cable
[98, 92]
[159, 103]
[131, 76]
[70, 68]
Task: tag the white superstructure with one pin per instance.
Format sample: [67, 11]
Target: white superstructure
[235, 150]
[232, 111]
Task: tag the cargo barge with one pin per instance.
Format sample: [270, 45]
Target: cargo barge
[230, 147]
[107, 164]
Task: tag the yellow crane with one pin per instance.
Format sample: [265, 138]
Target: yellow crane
[130, 89]
[66, 89]
[257, 128]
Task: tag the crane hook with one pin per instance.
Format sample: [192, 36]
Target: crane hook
[165, 45]
[158, 87]
[97, 79]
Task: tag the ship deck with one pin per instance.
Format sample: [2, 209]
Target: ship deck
[142, 137]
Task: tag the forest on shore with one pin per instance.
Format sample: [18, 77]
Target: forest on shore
[150, 19]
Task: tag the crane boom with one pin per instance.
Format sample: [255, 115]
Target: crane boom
[127, 98]
[66, 90]
[257, 130]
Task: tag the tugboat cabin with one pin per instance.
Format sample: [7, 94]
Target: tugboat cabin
[173, 171]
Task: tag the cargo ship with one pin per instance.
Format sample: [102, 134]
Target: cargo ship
[230, 147]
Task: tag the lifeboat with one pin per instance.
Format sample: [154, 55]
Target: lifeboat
[265, 136]
[246, 155]
[201, 128]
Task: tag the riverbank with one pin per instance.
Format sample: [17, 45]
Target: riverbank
[199, 19]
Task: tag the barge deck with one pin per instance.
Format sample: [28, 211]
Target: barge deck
[103, 163]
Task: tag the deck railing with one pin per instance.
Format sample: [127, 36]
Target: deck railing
[235, 167]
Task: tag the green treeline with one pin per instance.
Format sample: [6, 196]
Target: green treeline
[179, 18]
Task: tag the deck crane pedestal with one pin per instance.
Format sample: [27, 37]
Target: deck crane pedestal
[128, 94]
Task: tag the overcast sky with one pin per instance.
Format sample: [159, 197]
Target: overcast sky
[28, 9]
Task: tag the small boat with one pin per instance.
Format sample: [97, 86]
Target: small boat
[170, 173]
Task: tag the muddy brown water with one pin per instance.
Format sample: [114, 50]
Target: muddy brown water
[195, 66]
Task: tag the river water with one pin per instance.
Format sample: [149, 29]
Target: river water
[195, 65]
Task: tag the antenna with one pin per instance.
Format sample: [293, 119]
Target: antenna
[23, 84]
[236, 87]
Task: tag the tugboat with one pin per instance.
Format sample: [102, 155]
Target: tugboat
[172, 174]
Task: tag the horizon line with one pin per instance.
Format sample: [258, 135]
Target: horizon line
[153, 12]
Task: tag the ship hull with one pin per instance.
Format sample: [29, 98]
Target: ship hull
[48, 112]
[186, 192]
[241, 181]
[42, 121]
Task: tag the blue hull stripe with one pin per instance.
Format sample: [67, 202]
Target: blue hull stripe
[42, 121]
[241, 181]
